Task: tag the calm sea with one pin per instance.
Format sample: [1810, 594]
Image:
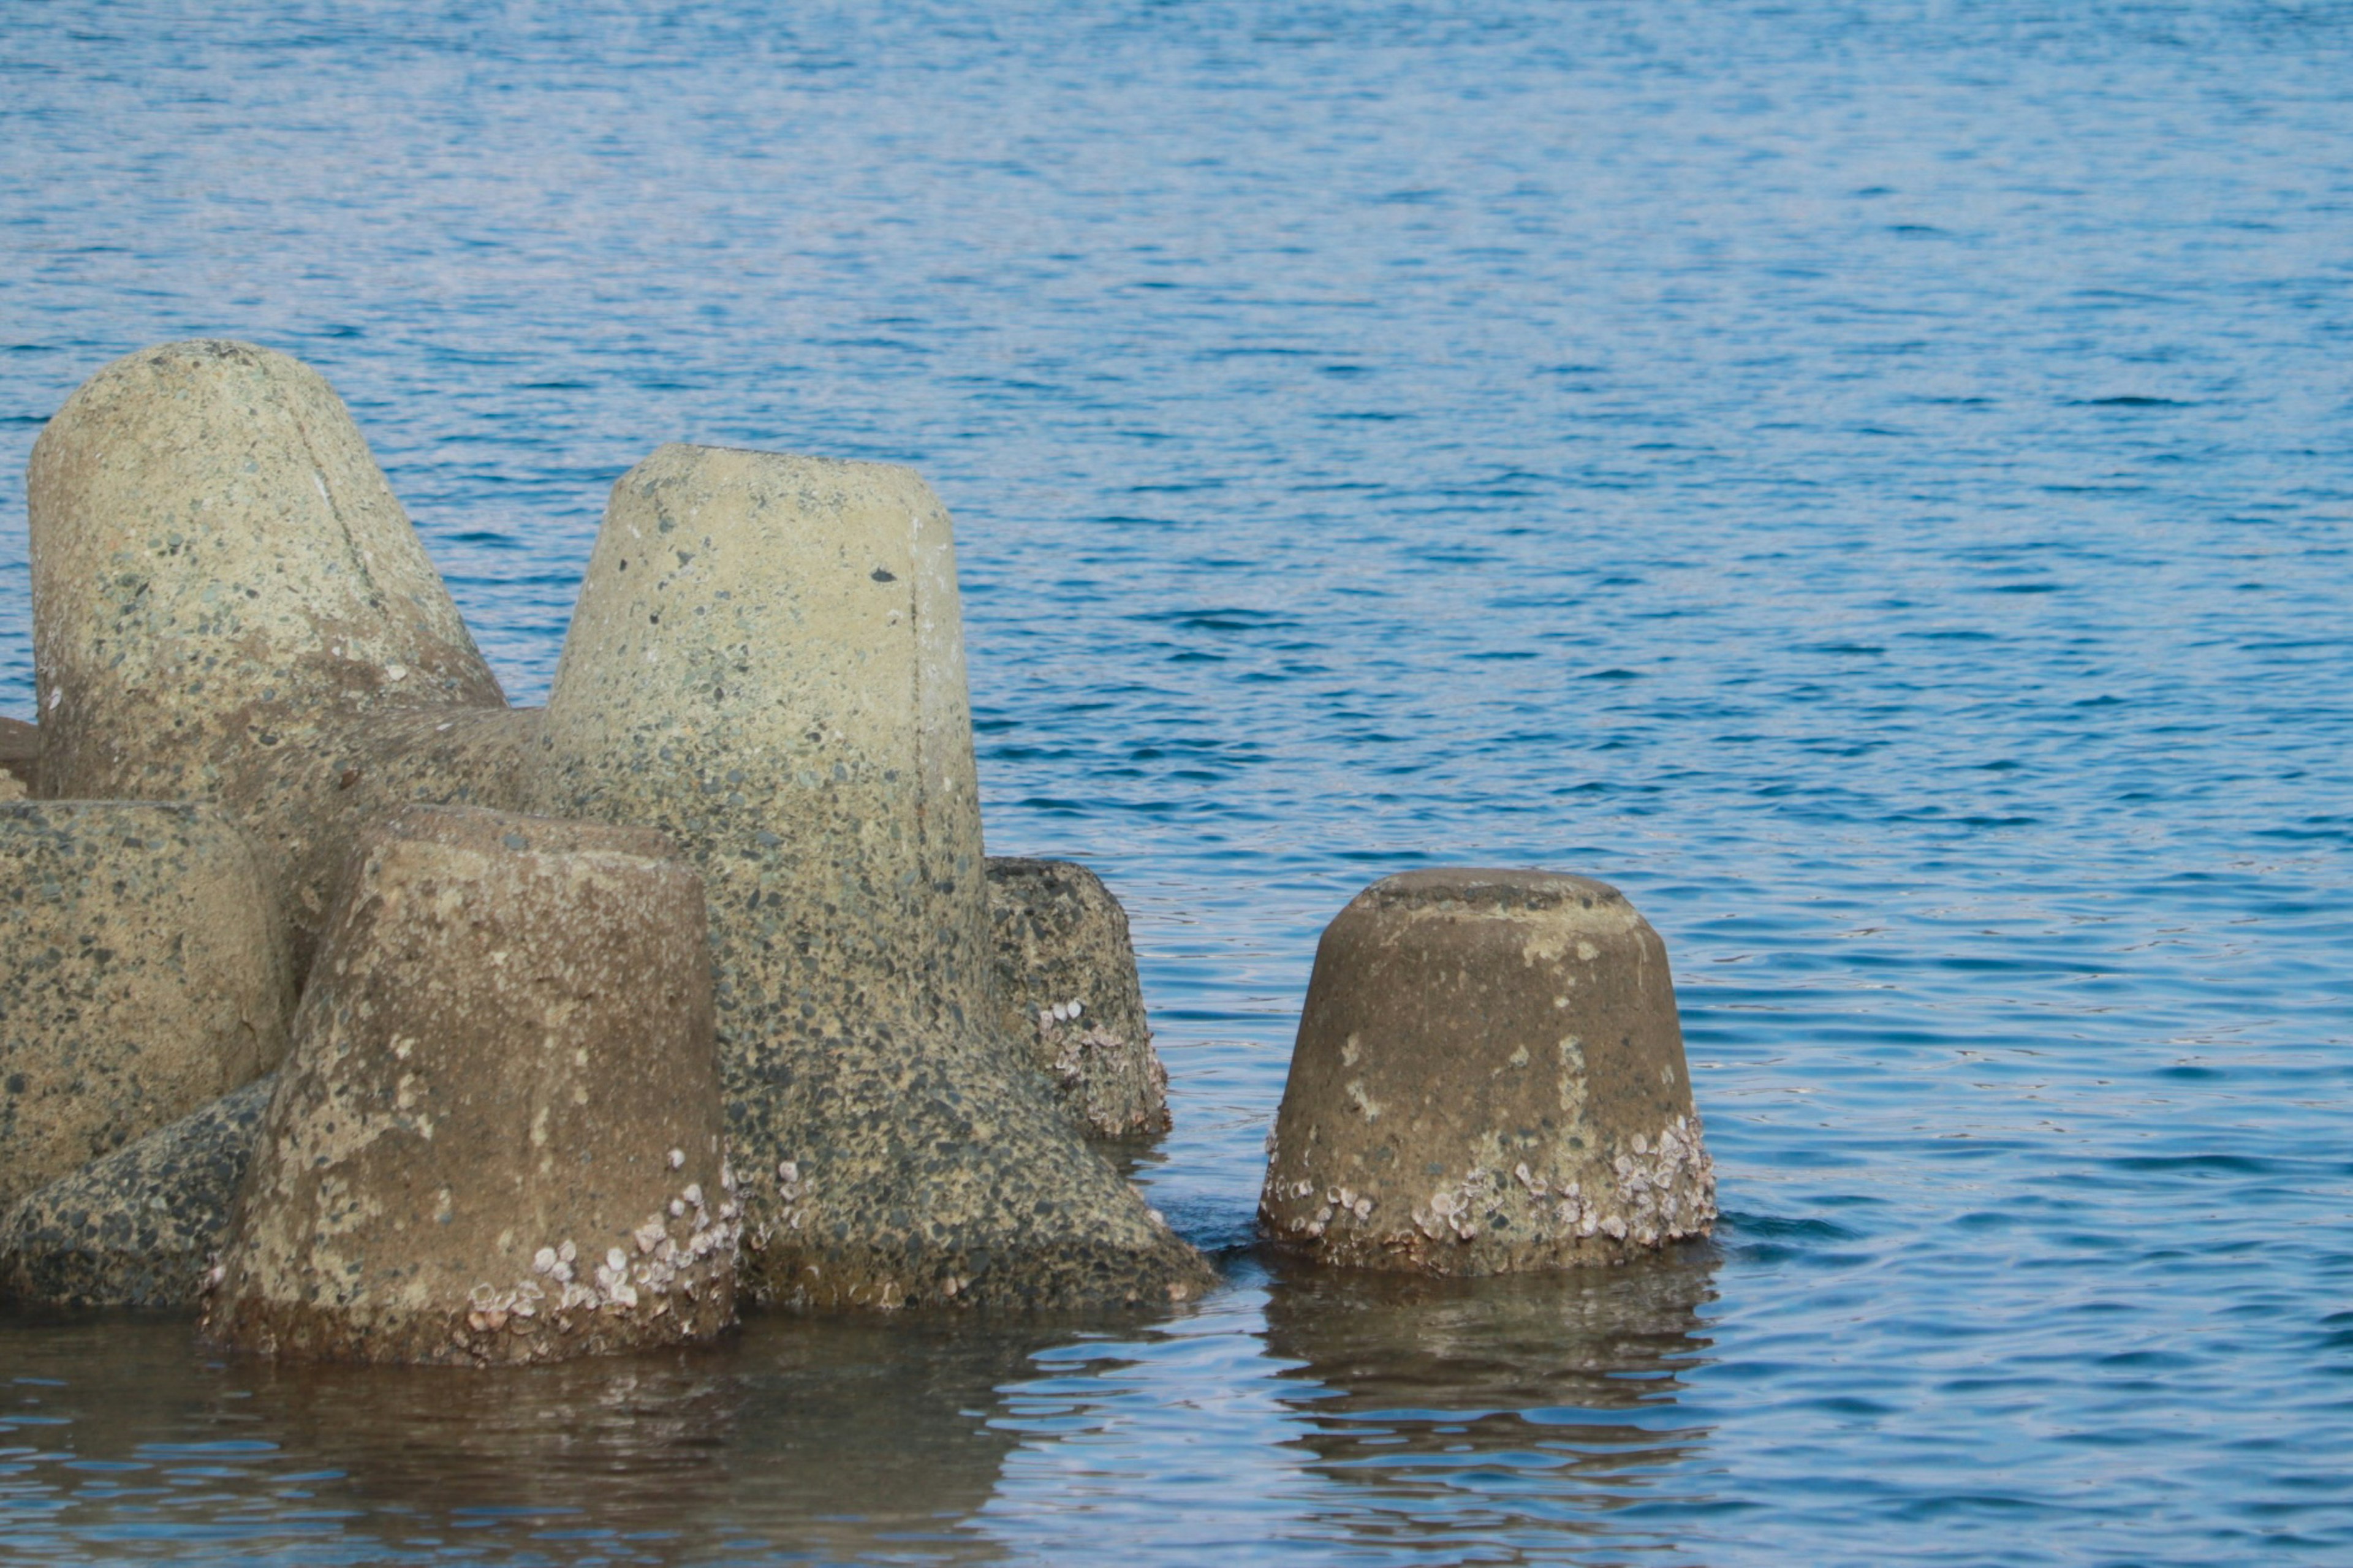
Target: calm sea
[1873, 480]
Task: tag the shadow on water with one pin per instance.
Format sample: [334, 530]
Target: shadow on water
[1505, 1418]
[795, 1440]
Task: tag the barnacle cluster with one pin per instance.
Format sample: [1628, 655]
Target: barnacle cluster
[685, 1251]
[1652, 1191]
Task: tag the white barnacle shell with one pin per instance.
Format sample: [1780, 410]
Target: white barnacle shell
[692, 1194]
[616, 1260]
[624, 1295]
[1364, 1208]
[568, 1253]
[677, 1158]
[1641, 1145]
[543, 1260]
[789, 1171]
[1616, 1227]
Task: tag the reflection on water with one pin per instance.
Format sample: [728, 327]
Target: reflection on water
[1355, 1419]
[1501, 1414]
[794, 1439]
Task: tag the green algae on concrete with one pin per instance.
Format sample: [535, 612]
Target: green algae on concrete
[220, 574]
[1066, 968]
[1489, 1076]
[142, 1226]
[766, 662]
[497, 1136]
[141, 974]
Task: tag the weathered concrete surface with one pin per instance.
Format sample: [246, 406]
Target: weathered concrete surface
[497, 1137]
[20, 759]
[141, 974]
[318, 797]
[1489, 1076]
[766, 662]
[1066, 967]
[141, 1227]
[219, 572]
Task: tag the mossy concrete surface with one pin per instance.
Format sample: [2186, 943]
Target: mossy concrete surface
[141, 1227]
[1066, 967]
[766, 662]
[141, 974]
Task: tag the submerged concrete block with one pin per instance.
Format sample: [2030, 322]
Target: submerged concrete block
[1067, 969]
[1489, 1076]
[497, 1137]
[220, 571]
[141, 974]
[142, 1226]
[766, 662]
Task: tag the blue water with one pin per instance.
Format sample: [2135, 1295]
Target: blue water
[1874, 481]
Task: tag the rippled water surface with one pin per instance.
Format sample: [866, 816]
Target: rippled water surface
[1873, 481]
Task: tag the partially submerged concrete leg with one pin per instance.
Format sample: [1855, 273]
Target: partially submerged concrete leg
[1489, 1076]
[766, 662]
[497, 1137]
[220, 573]
[1067, 968]
[141, 1227]
[141, 974]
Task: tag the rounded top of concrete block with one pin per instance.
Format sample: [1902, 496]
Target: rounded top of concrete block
[1481, 887]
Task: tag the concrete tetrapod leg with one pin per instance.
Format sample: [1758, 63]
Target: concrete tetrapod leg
[497, 1136]
[141, 974]
[219, 572]
[1489, 1078]
[318, 797]
[142, 1226]
[766, 662]
[1067, 968]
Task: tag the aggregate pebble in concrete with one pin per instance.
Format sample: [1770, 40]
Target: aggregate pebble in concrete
[497, 1137]
[1489, 1078]
[220, 571]
[20, 759]
[322, 794]
[141, 1227]
[1066, 967]
[141, 974]
[766, 662]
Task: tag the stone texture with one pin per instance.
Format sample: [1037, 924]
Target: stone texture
[20, 759]
[1067, 970]
[220, 571]
[141, 1227]
[766, 662]
[320, 796]
[1489, 1076]
[141, 974]
[497, 1136]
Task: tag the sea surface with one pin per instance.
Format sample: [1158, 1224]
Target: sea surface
[1873, 480]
